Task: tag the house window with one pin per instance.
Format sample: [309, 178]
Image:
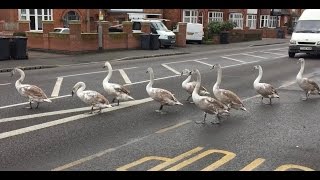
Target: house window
[190, 16]
[237, 18]
[70, 16]
[251, 21]
[269, 21]
[264, 19]
[200, 18]
[215, 16]
[274, 21]
[35, 16]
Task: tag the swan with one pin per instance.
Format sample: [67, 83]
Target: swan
[118, 91]
[227, 97]
[189, 86]
[206, 103]
[308, 85]
[164, 97]
[32, 92]
[264, 89]
[92, 98]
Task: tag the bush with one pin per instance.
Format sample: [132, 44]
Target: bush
[214, 28]
[19, 34]
[228, 25]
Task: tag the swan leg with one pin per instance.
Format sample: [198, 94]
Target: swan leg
[37, 105]
[160, 109]
[204, 119]
[270, 101]
[30, 105]
[118, 102]
[113, 100]
[188, 98]
[261, 99]
[91, 110]
[307, 95]
[219, 118]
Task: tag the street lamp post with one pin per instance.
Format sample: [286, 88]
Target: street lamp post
[100, 29]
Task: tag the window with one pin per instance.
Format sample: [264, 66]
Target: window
[215, 16]
[264, 19]
[70, 16]
[273, 22]
[252, 21]
[200, 17]
[190, 16]
[237, 18]
[269, 21]
[35, 16]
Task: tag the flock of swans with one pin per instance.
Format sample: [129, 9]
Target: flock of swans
[219, 104]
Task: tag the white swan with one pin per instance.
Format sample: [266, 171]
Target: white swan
[32, 92]
[92, 98]
[308, 85]
[164, 97]
[264, 89]
[206, 103]
[189, 86]
[227, 97]
[118, 91]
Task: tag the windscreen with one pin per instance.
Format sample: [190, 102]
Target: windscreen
[307, 26]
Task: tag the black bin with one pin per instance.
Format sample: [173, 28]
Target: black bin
[145, 41]
[224, 38]
[4, 48]
[280, 33]
[154, 42]
[18, 48]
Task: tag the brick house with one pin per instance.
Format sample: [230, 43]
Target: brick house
[245, 19]
[61, 17]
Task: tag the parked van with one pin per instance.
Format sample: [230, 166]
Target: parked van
[167, 38]
[306, 35]
[195, 32]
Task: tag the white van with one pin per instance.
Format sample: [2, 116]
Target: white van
[167, 38]
[195, 32]
[306, 35]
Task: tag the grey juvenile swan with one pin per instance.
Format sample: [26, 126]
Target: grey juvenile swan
[309, 86]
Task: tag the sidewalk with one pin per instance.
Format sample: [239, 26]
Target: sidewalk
[39, 60]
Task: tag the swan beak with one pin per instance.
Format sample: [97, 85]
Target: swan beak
[104, 66]
[147, 71]
[181, 73]
[72, 93]
[212, 67]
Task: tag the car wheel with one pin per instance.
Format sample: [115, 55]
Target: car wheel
[291, 54]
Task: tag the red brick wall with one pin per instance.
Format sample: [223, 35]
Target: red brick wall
[174, 15]
[89, 42]
[59, 42]
[9, 15]
[117, 40]
[35, 40]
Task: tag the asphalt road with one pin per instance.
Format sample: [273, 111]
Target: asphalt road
[62, 136]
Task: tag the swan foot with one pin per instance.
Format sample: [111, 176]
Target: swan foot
[200, 122]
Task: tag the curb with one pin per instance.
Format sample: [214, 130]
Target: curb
[266, 44]
[29, 68]
[125, 58]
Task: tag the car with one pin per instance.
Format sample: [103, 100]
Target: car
[61, 30]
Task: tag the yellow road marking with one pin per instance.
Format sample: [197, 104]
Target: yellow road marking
[254, 164]
[228, 156]
[292, 166]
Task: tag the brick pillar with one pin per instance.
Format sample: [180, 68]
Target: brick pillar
[105, 33]
[145, 27]
[181, 36]
[127, 28]
[75, 36]
[2, 26]
[24, 26]
[115, 23]
[47, 26]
